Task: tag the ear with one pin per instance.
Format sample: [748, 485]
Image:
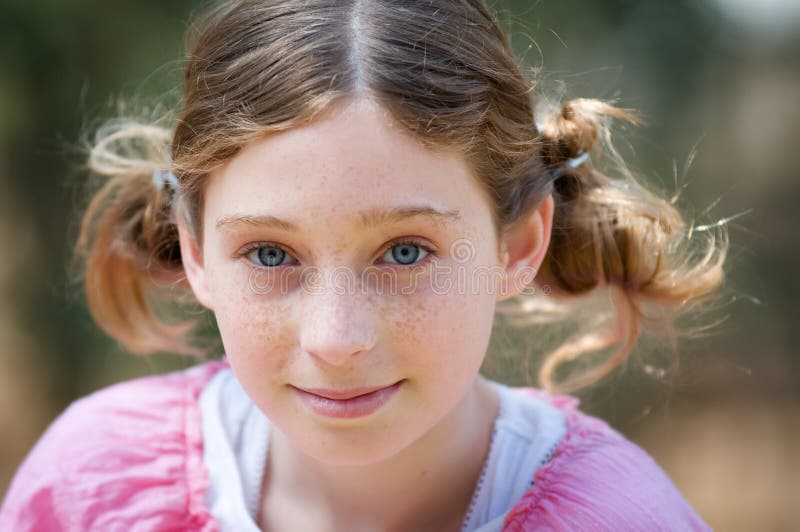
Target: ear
[524, 245]
[192, 258]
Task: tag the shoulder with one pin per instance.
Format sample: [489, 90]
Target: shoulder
[597, 479]
[128, 453]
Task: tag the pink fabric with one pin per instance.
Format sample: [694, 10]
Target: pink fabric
[598, 480]
[130, 457]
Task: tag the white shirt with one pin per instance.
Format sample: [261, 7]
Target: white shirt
[236, 435]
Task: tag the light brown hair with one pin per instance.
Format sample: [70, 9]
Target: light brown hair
[446, 72]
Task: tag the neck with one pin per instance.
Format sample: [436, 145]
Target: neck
[426, 486]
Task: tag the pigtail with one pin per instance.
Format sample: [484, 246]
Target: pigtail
[128, 241]
[615, 233]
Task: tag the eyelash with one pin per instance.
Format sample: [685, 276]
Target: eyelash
[249, 248]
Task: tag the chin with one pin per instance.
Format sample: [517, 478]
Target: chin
[351, 446]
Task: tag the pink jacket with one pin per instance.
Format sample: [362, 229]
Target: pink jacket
[129, 457]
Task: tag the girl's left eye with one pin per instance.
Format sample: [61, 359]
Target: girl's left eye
[406, 252]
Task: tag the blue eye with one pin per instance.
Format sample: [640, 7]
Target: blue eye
[267, 256]
[406, 252]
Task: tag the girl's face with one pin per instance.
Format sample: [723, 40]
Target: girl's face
[344, 255]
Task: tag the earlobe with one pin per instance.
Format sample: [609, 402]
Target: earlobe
[524, 247]
[192, 258]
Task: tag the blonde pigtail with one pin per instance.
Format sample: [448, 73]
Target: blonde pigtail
[614, 233]
[128, 242]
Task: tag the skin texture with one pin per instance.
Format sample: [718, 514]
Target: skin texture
[343, 329]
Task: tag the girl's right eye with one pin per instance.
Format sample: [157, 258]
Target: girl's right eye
[265, 255]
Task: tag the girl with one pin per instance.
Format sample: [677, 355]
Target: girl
[353, 188]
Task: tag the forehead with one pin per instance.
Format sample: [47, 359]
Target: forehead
[351, 161]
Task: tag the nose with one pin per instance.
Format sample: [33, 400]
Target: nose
[337, 326]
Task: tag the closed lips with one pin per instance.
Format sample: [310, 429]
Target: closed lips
[341, 395]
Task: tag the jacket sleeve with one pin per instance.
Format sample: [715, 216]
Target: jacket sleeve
[127, 457]
[598, 480]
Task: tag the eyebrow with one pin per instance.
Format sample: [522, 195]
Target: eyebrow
[369, 218]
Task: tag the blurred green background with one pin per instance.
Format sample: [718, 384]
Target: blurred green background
[718, 82]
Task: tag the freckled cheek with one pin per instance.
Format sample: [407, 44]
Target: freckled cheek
[258, 336]
[253, 286]
[421, 321]
[448, 329]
